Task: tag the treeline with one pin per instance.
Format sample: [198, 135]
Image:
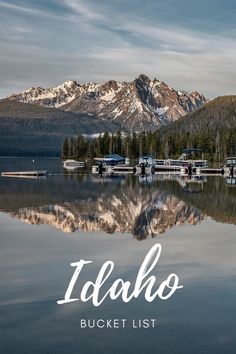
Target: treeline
[215, 145]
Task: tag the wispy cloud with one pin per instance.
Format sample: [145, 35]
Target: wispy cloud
[27, 10]
[20, 8]
[83, 9]
[99, 40]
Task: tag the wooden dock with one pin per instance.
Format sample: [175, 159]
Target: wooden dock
[25, 174]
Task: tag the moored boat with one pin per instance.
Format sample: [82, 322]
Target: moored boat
[73, 164]
[146, 165]
[110, 160]
[183, 164]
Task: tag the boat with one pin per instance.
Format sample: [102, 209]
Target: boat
[194, 163]
[171, 165]
[180, 165]
[110, 160]
[230, 166]
[73, 164]
[147, 160]
[146, 165]
[183, 164]
[107, 163]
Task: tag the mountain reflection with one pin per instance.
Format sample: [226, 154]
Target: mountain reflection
[132, 211]
[142, 207]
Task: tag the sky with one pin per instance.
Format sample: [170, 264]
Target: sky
[191, 45]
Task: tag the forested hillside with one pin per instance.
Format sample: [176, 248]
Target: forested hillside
[27, 129]
[212, 128]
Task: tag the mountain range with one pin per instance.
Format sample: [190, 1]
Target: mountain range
[141, 104]
[130, 211]
[141, 217]
[116, 204]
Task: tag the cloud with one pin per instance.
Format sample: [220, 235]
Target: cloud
[91, 41]
[83, 10]
[28, 10]
[15, 7]
[185, 58]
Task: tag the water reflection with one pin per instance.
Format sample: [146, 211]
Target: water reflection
[143, 206]
[133, 210]
[35, 261]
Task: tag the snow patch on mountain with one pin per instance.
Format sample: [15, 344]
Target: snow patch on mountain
[50, 97]
[137, 105]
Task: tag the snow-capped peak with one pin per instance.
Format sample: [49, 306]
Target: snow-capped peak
[67, 84]
[142, 102]
[52, 97]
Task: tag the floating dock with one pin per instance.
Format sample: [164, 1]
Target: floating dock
[25, 174]
[142, 170]
[124, 169]
[210, 171]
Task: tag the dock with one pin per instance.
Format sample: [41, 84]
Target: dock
[124, 169]
[148, 165]
[25, 174]
[142, 170]
[210, 171]
[100, 169]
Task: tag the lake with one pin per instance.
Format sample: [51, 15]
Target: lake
[48, 223]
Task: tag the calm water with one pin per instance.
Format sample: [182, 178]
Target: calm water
[48, 223]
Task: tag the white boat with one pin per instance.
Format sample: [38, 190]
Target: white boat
[183, 163]
[171, 165]
[146, 160]
[73, 164]
[146, 165]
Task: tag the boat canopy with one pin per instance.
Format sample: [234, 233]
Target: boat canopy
[189, 151]
[111, 159]
[114, 157]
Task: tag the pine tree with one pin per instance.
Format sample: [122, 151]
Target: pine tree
[65, 148]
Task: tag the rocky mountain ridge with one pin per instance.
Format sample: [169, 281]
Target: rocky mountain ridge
[48, 97]
[137, 105]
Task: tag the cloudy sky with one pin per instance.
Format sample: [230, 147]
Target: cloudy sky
[189, 44]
